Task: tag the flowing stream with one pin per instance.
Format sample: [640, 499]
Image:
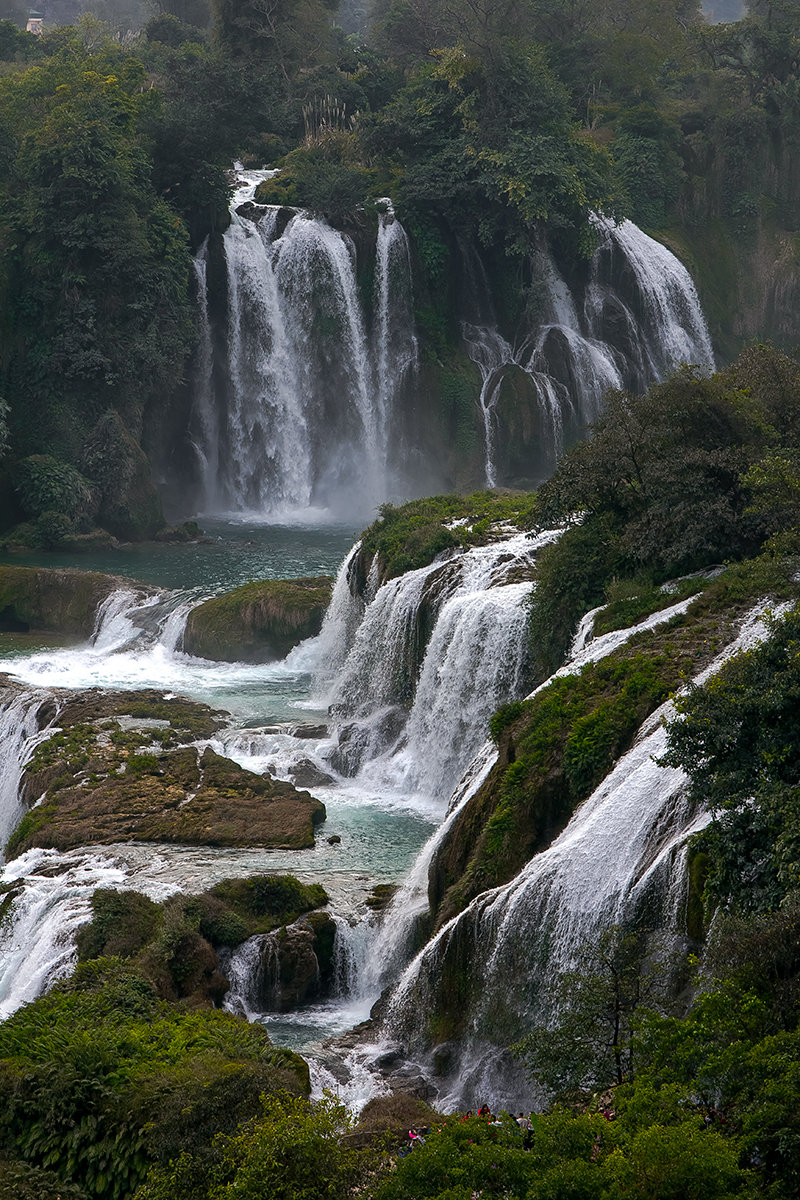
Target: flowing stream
[393, 675]
[387, 780]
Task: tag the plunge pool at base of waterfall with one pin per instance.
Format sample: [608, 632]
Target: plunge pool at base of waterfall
[231, 551]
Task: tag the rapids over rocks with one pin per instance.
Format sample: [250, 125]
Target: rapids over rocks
[384, 715]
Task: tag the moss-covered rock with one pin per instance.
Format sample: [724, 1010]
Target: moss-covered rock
[174, 944]
[258, 622]
[266, 901]
[116, 771]
[57, 600]
[100, 1079]
[412, 535]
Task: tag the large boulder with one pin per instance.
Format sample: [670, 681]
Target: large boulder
[53, 600]
[258, 622]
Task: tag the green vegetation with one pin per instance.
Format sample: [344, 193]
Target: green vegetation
[671, 482]
[259, 621]
[97, 1084]
[556, 747]
[173, 944]
[292, 1150]
[737, 738]
[629, 601]
[411, 536]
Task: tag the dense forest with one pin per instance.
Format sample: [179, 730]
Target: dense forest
[492, 121]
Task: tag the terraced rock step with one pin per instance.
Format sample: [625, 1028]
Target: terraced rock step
[118, 769]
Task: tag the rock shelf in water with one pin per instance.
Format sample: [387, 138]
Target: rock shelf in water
[258, 622]
[119, 769]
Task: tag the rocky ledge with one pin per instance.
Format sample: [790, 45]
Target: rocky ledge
[258, 622]
[123, 767]
[54, 599]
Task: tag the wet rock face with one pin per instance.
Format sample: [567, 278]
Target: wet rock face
[296, 964]
[258, 622]
[118, 769]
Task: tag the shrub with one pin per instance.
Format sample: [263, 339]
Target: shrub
[46, 486]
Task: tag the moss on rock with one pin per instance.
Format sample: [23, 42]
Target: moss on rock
[258, 622]
[174, 944]
[412, 535]
[116, 771]
[59, 600]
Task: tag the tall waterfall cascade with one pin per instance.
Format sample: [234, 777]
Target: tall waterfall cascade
[623, 847]
[295, 396]
[403, 753]
[406, 711]
[306, 372]
[628, 324]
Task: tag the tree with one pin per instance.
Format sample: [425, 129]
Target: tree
[591, 1045]
[738, 739]
[293, 1149]
[488, 144]
[289, 34]
[666, 468]
[96, 278]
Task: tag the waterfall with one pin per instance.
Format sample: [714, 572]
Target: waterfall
[404, 703]
[389, 949]
[396, 351]
[639, 318]
[378, 677]
[302, 376]
[666, 315]
[203, 425]
[305, 399]
[37, 938]
[252, 972]
[621, 848]
[491, 353]
[21, 731]
[478, 636]
[268, 459]
[134, 644]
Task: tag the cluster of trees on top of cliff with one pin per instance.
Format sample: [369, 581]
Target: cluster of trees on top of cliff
[492, 119]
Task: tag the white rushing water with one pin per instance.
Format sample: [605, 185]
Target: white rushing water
[384, 809]
[298, 390]
[639, 319]
[404, 704]
[311, 393]
[623, 846]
